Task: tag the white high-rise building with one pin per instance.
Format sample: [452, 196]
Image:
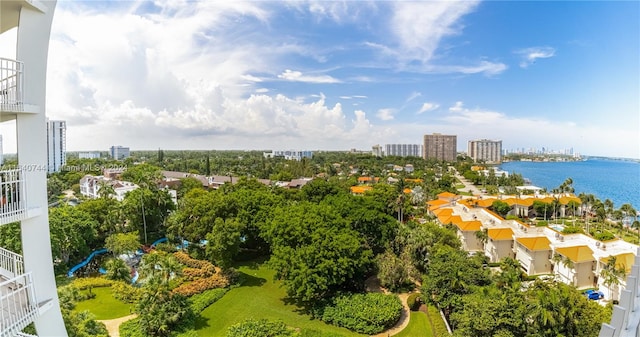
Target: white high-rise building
[28, 291]
[119, 152]
[484, 150]
[403, 150]
[56, 145]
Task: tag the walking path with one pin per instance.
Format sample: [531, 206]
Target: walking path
[373, 285]
[113, 325]
[468, 186]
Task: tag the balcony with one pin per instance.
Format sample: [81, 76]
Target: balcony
[13, 199]
[18, 305]
[11, 85]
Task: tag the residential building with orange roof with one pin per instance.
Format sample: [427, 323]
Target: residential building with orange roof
[360, 190]
[437, 203]
[624, 262]
[499, 244]
[533, 254]
[575, 265]
[368, 180]
[448, 196]
[466, 231]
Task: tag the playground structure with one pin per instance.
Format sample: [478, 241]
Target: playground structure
[86, 261]
[95, 253]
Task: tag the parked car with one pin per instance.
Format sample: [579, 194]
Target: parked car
[594, 294]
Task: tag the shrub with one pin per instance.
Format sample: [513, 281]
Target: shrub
[200, 285]
[188, 261]
[195, 273]
[439, 327]
[91, 282]
[542, 223]
[365, 313]
[125, 292]
[131, 328]
[572, 230]
[317, 333]
[604, 236]
[201, 301]
[263, 327]
[414, 302]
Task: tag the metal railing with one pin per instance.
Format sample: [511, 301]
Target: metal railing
[18, 306]
[13, 201]
[11, 85]
[11, 264]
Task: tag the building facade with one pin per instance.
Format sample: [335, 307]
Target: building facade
[289, 154]
[119, 152]
[403, 150]
[29, 293]
[440, 147]
[56, 145]
[484, 150]
[376, 150]
[89, 155]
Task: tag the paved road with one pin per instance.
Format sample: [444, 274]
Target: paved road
[468, 186]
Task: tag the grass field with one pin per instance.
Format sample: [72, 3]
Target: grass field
[258, 297]
[418, 326]
[104, 305]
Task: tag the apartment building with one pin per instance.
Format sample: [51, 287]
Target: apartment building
[486, 151]
[440, 147]
[403, 150]
[28, 291]
[574, 259]
[90, 187]
[119, 152]
[289, 154]
[56, 145]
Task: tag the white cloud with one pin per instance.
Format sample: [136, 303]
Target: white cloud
[530, 55]
[262, 90]
[413, 96]
[457, 107]
[386, 114]
[428, 107]
[419, 26]
[297, 76]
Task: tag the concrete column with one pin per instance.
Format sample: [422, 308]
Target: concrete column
[32, 49]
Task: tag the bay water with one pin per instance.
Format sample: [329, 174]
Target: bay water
[618, 180]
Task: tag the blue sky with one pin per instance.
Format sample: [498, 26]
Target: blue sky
[339, 75]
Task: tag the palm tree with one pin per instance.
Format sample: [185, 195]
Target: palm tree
[118, 270]
[401, 197]
[612, 274]
[151, 264]
[170, 267]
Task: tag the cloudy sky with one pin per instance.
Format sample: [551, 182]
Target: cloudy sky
[338, 75]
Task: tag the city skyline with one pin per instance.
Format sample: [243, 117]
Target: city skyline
[340, 75]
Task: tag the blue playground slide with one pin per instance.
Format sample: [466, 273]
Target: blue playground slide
[158, 241]
[134, 279]
[86, 261]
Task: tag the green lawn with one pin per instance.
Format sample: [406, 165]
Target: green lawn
[104, 305]
[418, 326]
[258, 297]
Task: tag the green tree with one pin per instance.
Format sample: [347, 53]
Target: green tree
[392, 272]
[122, 243]
[73, 234]
[160, 311]
[315, 252]
[118, 270]
[450, 275]
[501, 208]
[146, 210]
[223, 242]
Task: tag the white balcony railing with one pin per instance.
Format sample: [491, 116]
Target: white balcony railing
[11, 264]
[13, 201]
[18, 306]
[11, 89]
